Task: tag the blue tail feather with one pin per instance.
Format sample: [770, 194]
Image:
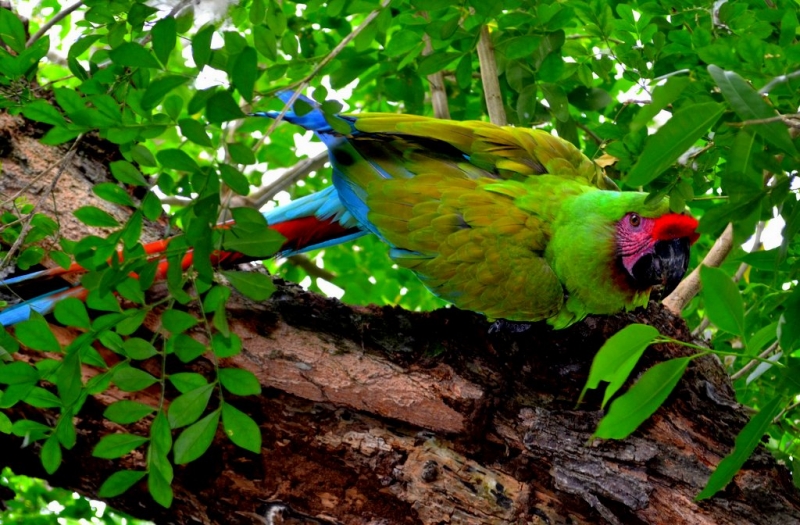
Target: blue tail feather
[44, 304]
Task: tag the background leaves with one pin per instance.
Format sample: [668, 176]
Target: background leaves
[661, 95]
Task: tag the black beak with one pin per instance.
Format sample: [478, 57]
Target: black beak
[664, 268]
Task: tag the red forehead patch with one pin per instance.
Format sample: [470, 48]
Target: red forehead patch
[674, 226]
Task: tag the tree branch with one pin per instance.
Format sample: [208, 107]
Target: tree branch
[299, 171]
[688, 288]
[491, 85]
[58, 17]
[436, 80]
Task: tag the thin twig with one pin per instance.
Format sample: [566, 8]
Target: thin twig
[749, 366]
[28, 224]
[580, 37]
[299, 171]
[301, 261]
[778, 80]
[689, 287]
[436, 80]
[300, 86]
[174, 11]
[776, 118]
[346, 40]
[592, 135]
[58, 17]
[491, 85]
[175, 201]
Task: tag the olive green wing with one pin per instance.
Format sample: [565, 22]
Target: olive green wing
[469, 245]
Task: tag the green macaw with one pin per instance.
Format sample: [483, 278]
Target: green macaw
[510, 222]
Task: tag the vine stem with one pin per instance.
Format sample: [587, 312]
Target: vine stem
[761, 358]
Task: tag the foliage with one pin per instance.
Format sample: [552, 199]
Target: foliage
[37, 504]
[603, 75]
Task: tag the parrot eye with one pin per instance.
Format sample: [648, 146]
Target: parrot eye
[635, 220]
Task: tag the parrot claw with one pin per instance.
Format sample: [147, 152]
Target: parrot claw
[514, 327]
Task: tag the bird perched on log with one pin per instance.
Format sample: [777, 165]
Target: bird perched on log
[510, 222]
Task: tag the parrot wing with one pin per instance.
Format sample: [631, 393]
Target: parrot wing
[468, 244]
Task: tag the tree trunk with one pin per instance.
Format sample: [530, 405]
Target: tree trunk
[379, 415]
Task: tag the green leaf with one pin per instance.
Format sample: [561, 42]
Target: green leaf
[127, 173]
[129, 379]
[631, 409]
[663, 96]
[159, 488]
[126, 411]
[164, 36]
[241, 429]
[177, 321]
[241, 154]
[402, 42]
[138, 348]
[115, 446]
[234, 179]
[35, 333]
[186, 408]
[72, 312]
[151, 206]
[51, 454]
[258, 10]
[255, 243]
[256, 286]
[521, 46]
[131, 54]
[187, 381]
[110, 192]
[223, 346]
[196, 439]
[41, 398]
[245, 72]
[186, 348]
[557, 99]
[749, 105]
[159, 88]
[201, 46]
[239, 382]
[177, 159]
[93, 216]
[195, 131]
[617, 358]
[12, 32]
[118, 482]
[41, 111]
[724, 305]
[746, 442]
[672, 139]
[265, 42]
[436, 62]
[221, 108]
[18, 373]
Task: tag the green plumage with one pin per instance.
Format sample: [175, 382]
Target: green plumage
[511, 222]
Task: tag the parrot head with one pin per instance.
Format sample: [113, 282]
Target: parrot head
[654, 252]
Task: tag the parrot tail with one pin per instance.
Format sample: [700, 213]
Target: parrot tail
[315, 221]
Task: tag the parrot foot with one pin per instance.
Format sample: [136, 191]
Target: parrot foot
[514, 327]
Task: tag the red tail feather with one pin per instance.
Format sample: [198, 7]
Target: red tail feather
[308, 231]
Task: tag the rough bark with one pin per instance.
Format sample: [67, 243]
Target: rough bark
[379, 415]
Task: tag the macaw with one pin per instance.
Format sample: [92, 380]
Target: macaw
[510, 222]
